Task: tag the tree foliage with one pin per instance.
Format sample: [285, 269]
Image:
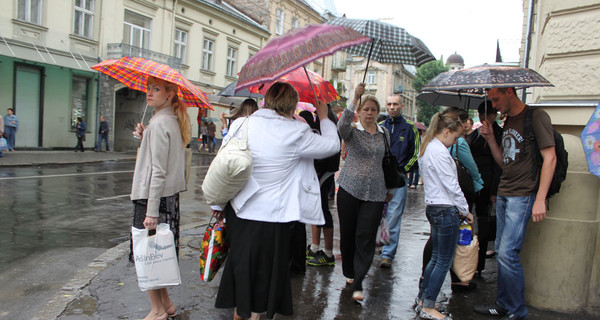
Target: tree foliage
[425, 73]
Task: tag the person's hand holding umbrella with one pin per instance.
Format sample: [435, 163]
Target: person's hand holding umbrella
[358, 92]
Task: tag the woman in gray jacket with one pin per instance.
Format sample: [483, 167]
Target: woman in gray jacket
[159, 173]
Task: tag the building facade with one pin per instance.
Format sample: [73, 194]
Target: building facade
[46, 52]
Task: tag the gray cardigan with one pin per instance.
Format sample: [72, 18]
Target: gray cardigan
[362, 173]
[160, 165]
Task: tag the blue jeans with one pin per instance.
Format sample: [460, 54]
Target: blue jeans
[444, 236]
[10, 133]
[102, 137]
[512, 215]
[394, 218]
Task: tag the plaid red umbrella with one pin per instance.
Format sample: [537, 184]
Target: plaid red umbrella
[295, 49]
[298, 79]
[133, 72]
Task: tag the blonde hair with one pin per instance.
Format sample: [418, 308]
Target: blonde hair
[178, 107]
[365, 98]
[282, 98]
[439, 122]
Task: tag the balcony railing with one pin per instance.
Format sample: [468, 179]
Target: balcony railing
[338, 63]
[119, 50]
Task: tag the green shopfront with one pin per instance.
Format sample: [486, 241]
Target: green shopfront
[48, 89]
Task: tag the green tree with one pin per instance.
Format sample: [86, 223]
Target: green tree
[425, 73]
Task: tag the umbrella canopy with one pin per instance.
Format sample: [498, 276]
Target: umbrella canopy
[465, 100]
[420, 126]
[590, 138]
[299, 80]
[229, 91]
[295, 49]
[391, 44]
[487, 77]
[133, 72]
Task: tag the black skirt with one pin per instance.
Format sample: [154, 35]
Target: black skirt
[256, 277]
[168, 212]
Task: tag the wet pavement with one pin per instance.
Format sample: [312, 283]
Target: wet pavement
[101, 284]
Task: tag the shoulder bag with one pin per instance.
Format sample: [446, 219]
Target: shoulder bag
[394, 178]
[229, 171]
[464, 177]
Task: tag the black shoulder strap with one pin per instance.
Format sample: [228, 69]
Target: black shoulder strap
[532, 143]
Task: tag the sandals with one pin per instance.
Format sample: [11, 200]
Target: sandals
[358, 295]
[172, 314]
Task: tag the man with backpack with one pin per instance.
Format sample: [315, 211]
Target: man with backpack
[521, 193]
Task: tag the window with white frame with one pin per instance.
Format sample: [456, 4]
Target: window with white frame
[371, 77]
[180, 44]
[231, 62]
[84, 18]
[280, 21]
[136, 30]
[30, 11]
[208, 52]
[294, 23]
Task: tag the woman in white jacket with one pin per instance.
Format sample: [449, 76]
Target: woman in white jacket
[283, 188]
[159, 173]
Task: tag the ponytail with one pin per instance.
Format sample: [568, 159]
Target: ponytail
[179, 108]
[439, 122]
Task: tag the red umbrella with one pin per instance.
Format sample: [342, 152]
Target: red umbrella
[133, 73]
[298, 79]
[295, 49]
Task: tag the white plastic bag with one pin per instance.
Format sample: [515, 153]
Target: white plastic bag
[155, 258]
[383, 232]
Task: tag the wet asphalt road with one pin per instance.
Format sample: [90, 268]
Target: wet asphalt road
[55, 225]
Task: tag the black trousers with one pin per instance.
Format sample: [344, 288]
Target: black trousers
[359, 221]
[486, 223]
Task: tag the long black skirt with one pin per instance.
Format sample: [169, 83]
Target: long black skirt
[256, 277]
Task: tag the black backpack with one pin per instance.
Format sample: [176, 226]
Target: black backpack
[562, 156]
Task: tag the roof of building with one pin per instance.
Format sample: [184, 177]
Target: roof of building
[455, 59]
[230, 10]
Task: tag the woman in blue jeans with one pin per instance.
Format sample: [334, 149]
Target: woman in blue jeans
[446, 206]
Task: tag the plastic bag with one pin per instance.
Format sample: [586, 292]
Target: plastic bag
[214, 249]
[155, 258]
[465, 260]
[383, 232]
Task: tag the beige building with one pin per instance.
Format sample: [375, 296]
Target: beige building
[381, 80]
[561, 255]
[46, 52]
[564, 48]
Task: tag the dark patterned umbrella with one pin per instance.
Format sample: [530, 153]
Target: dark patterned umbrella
[464, 100]
[391, 44]
[487, 77]
[229, 91]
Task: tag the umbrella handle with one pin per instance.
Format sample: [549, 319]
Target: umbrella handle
[367, 67]
[311, 85]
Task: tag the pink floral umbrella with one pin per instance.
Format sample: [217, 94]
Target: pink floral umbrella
[295, 49]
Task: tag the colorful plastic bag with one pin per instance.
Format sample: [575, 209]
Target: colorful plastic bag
[214, 249]
[155, 258]
[383, 232]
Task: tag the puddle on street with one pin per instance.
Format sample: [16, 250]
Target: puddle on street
[86, 305]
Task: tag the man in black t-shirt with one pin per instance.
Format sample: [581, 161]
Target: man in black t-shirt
[521, 195]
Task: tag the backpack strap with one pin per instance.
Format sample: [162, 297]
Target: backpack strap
[532, 146]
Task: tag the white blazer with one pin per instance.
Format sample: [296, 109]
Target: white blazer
[284, 185]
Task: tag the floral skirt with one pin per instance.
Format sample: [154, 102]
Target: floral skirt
[168, 212]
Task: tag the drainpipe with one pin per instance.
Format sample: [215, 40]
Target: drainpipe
[527, 42]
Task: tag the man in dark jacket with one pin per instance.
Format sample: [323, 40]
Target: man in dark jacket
[404, 144]
[102, 135]
[490, 174]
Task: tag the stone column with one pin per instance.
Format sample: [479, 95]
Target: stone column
[561, 255]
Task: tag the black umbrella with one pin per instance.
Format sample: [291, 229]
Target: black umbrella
[464, 100]
[229, 91]
[487, 77]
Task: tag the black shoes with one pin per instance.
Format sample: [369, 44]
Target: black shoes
[321, 259]
[491, 310]
[457, 287]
